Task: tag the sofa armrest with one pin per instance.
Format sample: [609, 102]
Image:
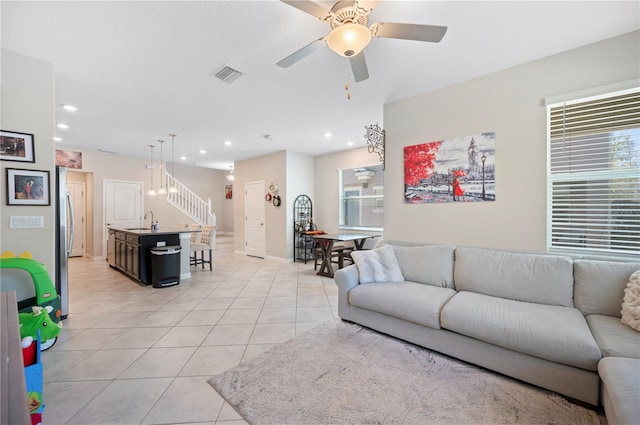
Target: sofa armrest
[346, 278]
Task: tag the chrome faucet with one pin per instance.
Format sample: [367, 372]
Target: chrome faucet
[145, 215]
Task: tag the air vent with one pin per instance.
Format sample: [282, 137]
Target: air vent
[227, 74]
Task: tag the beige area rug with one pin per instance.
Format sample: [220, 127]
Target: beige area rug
[347, 374]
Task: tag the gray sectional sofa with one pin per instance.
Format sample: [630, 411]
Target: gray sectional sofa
[544, 319]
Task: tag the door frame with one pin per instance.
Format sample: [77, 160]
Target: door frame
[83, 188]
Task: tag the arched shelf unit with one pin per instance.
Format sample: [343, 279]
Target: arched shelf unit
[302, 221]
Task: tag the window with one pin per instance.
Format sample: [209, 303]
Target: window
[362, 198]
[594, 175]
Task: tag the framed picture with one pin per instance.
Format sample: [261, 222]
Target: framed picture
[27, 187]
[16, 146]
[69, 159]
[228, 192]
[462, 170]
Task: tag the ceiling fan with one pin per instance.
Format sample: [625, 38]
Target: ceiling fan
[350, 35]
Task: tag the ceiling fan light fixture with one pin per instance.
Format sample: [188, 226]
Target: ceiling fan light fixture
[349, 39]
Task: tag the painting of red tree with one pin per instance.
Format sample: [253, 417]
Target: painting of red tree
[453, 170]
[419, 162]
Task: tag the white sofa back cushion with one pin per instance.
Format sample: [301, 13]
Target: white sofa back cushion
[600, 285]
[536, 278]
[429, 264]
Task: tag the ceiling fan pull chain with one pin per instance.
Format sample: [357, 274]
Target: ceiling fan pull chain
[346, 85]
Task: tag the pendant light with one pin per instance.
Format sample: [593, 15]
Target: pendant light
[230, 176]
[172, 188]
[151, 191]
[161, 191]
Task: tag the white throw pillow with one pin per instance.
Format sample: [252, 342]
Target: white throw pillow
[631, 302]
[377, 265]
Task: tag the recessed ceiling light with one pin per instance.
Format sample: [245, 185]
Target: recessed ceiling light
[350, 143]
[227, 143]
[184, 158]
[203, 151]
[62, 126]
[69, 108]
[57, 139]
[327, 134]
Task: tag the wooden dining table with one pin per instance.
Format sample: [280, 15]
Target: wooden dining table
[326, 242]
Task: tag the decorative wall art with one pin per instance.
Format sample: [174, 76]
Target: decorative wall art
[454, 170]
[16, 146]
[228, 191]
[27, 187]
[375, 140]
[69, 159]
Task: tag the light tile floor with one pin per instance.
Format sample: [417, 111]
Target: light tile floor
[134, 354]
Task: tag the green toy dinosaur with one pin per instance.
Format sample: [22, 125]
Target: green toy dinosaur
[39, 319]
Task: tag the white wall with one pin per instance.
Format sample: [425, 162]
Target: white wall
[27, 93]
[326, 204]
[510, 103]
[300, 174]
[270, 168]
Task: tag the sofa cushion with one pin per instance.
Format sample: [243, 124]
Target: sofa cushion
[411, 301]
[613, 337]
[621, 389]
[429, 264]
[534, 278]
[631, 302]
[599, 286]
[377, 265]
[555, 333]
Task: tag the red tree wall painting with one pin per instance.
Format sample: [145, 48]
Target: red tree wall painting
[454, 170]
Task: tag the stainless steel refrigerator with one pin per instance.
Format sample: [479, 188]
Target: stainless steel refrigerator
[64, 238]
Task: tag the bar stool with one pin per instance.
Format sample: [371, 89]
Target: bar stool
[207, 242]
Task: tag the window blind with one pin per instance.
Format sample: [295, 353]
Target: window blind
[594, 175]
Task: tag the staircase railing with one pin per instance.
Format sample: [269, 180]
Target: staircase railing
[188, 202]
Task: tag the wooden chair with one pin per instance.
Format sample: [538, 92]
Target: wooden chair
[339, 254]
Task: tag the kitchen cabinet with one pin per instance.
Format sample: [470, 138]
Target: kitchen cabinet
[132, 250]
[126, 253]
[119, 250]
[132, 254]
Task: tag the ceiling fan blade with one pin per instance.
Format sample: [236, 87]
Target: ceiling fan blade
[367, 5]
[309, 7]
[359, 67]
[432, 33]
[300, 54]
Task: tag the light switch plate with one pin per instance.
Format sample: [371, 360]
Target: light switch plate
[26, 222]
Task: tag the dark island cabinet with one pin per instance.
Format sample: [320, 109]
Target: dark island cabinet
[130, 252]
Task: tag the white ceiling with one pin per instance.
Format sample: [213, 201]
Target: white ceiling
[138, 71]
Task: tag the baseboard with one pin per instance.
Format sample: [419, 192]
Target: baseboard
[278, 259]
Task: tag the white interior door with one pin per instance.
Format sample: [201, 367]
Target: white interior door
[77, 192]
[122, 205]
[254, 211]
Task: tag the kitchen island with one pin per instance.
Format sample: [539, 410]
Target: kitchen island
[129, 250]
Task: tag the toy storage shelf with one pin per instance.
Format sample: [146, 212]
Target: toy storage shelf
[13, 389]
